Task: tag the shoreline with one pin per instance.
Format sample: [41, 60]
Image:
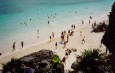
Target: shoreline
[40, 45]
[56, 36]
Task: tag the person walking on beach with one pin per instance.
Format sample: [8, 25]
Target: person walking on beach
[64, 32]
[22, 44]
[66, 52]
[13, 46]
[64, 44]
[56, 45]
[50, 38]
[68, 32]
[94, 24]
[64, 60]
[62, 38]
[71, 33]
[37, 31]
[74, 26]
[82, 22]
[52, 34]
[89, 21]
[83, 40]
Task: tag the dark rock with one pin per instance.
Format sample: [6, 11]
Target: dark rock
[38, 62]
[101, 27]
[109, 37]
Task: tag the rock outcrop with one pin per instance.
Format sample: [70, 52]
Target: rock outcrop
[39, 62]
[101, 27]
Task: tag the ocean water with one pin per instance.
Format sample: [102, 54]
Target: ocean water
[20, 19]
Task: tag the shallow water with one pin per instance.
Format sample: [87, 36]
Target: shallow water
[20, 19]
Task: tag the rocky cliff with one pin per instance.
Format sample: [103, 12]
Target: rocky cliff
[109, 37]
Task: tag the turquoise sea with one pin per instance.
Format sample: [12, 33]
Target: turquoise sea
[20, 19]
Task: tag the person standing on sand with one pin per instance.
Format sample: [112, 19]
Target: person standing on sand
[13, 46]
[56, 45]
[0, 54]
[22, 44]
[74, 26]
[67, 38]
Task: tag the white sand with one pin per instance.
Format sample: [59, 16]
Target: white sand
[92, 41]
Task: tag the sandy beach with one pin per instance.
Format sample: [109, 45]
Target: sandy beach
[92, 40]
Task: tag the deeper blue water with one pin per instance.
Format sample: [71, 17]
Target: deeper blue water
[14, 13]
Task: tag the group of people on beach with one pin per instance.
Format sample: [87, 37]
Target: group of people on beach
[63, 35]
[66, 35]
[14, 45]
